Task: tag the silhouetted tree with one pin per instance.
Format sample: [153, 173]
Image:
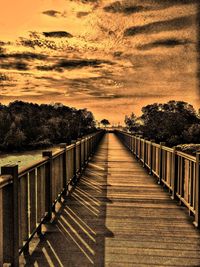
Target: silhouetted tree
[27, 125]
[174, 122]
[105, 122]
[132, 123]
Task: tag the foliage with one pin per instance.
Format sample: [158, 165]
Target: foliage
[105, 122]
[132, 123]
[27, 125]
[191, 149]
[175, 122]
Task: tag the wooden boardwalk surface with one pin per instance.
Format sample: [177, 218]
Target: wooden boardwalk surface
[117, 216]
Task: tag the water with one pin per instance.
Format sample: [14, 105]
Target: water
[23, 159]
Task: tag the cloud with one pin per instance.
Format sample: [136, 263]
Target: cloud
[7, 85]
[79, 63]
[89, 1]
[169, 43]
[58, 34]
[18, 65]
[2, 43]
[82, 14]
[5, 81]
[119, 7]
[74, 63]
[38, 42]
[168, 3]
[24, 55]
[107, 96]
[46, 68]
[160, 26]
[127, 7]
[48, 93]
[4, 77]
[53, 13]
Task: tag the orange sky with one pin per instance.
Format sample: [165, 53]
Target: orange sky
[120, 56]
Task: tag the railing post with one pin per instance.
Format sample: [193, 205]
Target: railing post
[160, 162]
[11, 214]
[86, 150]
[1, 227]
[74, 179]
[48, 187]
[134, 146]
[131, 143]
[137, 149]
[84, 141]
[174, 173]
[64, 147]
[151, 157]
[197, 193]
[90, 146]
[144, 150]
[139, 146]
[80, 158]
[93, 144]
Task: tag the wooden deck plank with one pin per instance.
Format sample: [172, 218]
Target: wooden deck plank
[117, 216]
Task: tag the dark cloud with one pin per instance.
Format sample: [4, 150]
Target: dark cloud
[107, 96]
[169, 3]
[4, 77]
[48, 93]
[82, 14]
[170, 43]
[119, 7]
[2, 43]
[18, 65]
[5, 81]
[48, 78]
[7, 85]
[74, 63]
[127, 7]
[160, 26]
[117, 54]
[25, 56]
[52, 13]
[36, 41]
[2, 50]
[112, 96]
[58, 34]
[80, 63]
[149, 95]
[89, 1]
[48, 68]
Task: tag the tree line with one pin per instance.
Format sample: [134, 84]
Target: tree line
[174, 122]
[28, 126]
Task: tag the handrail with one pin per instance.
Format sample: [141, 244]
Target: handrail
[5, 180]
[28, 197]
[178, 171]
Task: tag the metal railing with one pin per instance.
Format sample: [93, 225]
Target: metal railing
[28, 196]
[178, 171]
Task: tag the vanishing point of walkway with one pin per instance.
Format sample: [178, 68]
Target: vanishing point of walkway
[117, 216]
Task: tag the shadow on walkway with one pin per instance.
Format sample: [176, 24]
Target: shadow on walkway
[77, 236]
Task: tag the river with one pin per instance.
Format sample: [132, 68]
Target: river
[23, 159]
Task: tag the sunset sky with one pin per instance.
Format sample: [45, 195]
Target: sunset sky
[112, 57]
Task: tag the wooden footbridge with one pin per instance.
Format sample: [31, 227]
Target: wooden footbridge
[90, 205]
